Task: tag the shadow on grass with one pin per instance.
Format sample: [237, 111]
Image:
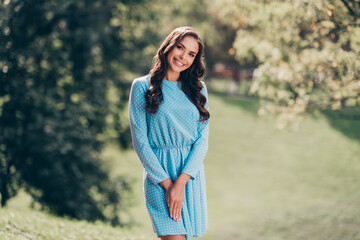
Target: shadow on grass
[346, 121]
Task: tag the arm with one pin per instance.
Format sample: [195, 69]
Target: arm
[139, 130]
[197, 155]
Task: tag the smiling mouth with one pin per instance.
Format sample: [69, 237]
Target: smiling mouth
[180, 64]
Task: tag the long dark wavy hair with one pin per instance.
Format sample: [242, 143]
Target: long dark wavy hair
[190, 78]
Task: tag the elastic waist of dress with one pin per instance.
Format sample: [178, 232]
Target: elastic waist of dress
[171, 147]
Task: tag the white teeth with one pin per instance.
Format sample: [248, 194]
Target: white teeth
[179, 63]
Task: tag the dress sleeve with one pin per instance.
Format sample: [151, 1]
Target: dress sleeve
[197, 154]
[139, 131]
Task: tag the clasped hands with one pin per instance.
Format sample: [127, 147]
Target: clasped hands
[174, 194]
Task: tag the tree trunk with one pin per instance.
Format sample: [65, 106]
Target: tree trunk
[4, 184]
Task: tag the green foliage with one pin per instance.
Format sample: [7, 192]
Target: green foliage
[58, 62]
[308, 53]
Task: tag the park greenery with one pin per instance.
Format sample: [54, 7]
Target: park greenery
[306, 53]
[65, 72]
[63, 65]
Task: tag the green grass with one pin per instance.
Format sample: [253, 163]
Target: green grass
[224, 85]
[269, 184]
[262, 183]
[29, 224]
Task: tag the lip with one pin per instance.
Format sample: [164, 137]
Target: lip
[178, 63]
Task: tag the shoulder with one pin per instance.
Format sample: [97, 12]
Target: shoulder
[141, 83]
[144, 80]
[204, 88]
[203, 83]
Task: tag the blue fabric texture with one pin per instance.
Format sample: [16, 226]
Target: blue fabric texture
[170, 142]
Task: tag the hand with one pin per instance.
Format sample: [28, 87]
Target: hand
[167, 186]
[174, 198]
[174, 194]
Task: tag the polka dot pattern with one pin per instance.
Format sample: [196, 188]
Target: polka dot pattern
[170, 142]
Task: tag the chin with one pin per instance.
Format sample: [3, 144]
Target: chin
[178, 69]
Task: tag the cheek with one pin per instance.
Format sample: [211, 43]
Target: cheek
[175, 51]
[190, 61]
[170, 56]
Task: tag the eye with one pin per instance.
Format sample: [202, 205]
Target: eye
[179, 47]
[192, 55]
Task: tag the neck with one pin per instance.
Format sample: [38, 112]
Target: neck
[172, 76]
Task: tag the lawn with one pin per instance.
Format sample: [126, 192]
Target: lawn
[262, 183]
[28, 224]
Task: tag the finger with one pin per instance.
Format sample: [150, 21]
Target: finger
[176, 211]
[167, 200]
[171, 209]
[179, 211]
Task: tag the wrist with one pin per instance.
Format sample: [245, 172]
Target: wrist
[182, 180]
[166, 184]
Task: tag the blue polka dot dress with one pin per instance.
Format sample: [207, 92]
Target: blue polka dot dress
[170, 142]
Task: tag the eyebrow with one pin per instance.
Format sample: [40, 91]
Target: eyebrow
[185, 48]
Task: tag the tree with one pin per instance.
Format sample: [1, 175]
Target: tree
[59, 61]
[308, 53]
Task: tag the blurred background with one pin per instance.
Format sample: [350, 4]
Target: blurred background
[284, 93]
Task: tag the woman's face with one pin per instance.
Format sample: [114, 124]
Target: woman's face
[183, 55]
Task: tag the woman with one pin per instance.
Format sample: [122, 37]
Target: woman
[169, 120]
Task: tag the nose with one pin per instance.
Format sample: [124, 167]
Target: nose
[181, 55]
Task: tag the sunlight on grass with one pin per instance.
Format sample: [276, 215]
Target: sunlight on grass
[29, 224]
[264, 183]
